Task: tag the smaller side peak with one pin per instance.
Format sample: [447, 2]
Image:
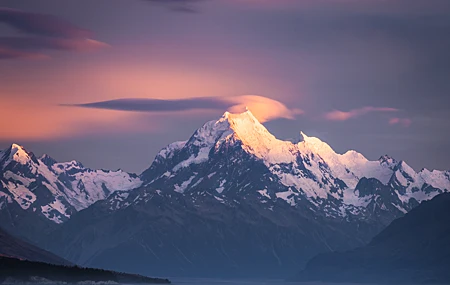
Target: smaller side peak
[354, 153]
[304, 136]
[70, 165]
[311, 140]
[402, 165]
[385, 157]
[76, 163]
[387, 160]
[47, 160]
[316, 144]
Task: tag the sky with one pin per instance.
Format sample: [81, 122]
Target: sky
[111, 82]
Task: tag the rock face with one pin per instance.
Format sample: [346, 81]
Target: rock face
[15, 248]
[233, 200]
[36, 194]
[412, 249]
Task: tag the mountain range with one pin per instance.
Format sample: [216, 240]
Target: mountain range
[412, 249]
[36, 194]
[232, 200]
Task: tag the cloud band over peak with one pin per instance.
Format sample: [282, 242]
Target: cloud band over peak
[264, 109]
[337, 115]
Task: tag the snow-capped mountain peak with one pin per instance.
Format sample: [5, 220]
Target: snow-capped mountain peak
[55, 189]
[16, 153]
[310, 166]
[237, 154]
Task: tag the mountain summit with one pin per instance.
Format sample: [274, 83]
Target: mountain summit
[310, 168]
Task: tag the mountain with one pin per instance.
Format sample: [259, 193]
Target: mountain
[412, 249]
[15, 271]
[13, 247]
[36, 194]
[22, 262]
[233, 200]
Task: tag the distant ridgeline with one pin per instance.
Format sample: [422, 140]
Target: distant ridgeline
[413, 249]
[23, 262]
[231, 201]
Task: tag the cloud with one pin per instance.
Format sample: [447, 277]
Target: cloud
[264, 109]
[184, 6]
[43, 32]
[337, 115]
[37, 43]
[41, 24]
[400, 121]
[14, 54]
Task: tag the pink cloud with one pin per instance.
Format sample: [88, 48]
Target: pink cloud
[337, 115]
[400, 121]
[46, 32]
[6, 53]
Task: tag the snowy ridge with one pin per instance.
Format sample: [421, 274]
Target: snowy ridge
[421, 186]
[56, 190]
[308, 169]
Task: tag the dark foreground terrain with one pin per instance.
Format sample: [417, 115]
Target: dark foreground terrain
[11, 246]
[412, 249]
[17, 271]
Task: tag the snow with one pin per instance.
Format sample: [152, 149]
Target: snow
[258, 141]
[47, 210]
[400, 208]
[167, 152]
[94, 182]
[401, 179]
[221, 186]
[352, 197]
[288, 196]
[202, 156]
[59, 206]
[219, 199]
[25, 181]
[198, 182]
[184, 185]
[21, 194]
[311, 166]
[264, 193]
[18, 154]
[350, 166]
[409, 179]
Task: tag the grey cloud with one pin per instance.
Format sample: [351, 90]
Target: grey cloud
[46, 32]
[41, 24]
[37, 43]
[184, 6]
[157, 105]
[14, 54]
[263, 108]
